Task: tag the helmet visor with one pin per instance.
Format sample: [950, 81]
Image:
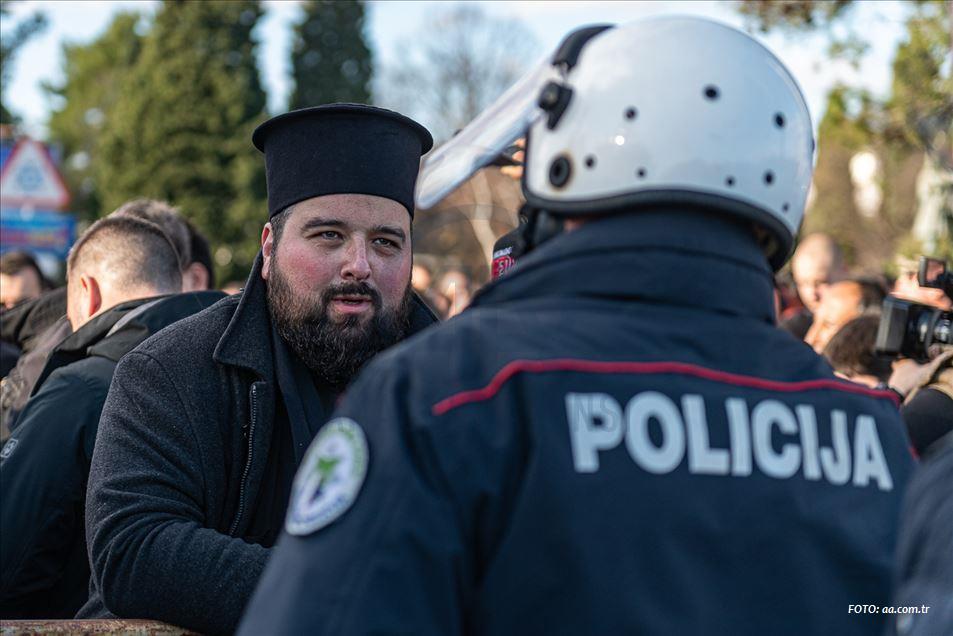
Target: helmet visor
[483, 139]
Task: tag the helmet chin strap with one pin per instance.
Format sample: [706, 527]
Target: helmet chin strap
[539, 227]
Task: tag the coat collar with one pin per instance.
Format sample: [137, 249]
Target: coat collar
[249, 331]
[248, 334]
[75, 347]
[674, 257]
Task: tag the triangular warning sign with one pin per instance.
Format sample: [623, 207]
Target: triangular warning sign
[30, 178]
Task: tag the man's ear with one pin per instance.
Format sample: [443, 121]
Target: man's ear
[267, 250]
[92, 296]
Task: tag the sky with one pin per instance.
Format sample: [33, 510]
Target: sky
[40, 61]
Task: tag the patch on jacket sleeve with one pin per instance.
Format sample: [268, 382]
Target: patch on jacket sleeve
[330, 477]
[9, 447]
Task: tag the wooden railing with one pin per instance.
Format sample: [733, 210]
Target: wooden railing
[115, 627]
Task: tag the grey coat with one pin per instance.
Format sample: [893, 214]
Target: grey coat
[182, 448]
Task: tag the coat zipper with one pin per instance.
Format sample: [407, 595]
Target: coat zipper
[251, 437]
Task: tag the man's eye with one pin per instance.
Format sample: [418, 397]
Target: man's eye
[385, 242]
[330, 235]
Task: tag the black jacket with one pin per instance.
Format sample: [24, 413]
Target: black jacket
[183, 446]
[925, 550]
[613, 439]
[44, 466]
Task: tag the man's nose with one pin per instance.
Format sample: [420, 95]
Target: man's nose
[356, 266]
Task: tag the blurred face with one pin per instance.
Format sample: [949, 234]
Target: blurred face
[15, 288]
[420, 278]
[839, 305]
[339, 280]
[811, 276]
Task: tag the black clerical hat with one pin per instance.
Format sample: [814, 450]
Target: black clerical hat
[341, 149]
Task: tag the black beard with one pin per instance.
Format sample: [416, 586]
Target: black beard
[334, 351]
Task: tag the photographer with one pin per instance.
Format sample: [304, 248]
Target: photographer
[916, 329]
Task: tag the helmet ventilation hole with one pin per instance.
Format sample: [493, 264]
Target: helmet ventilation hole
[559, 171]
[641, 173]
[711, 92]
[631, 113]
[590, 161]
[730, 181]
[785, 207]
[769, 177]
[779, 120]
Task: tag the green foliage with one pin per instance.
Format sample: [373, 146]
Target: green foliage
[9, 45]
[913, 127]
[792, 15]
[183, 127]
[94, 74]
[330, 61]
[921, 102]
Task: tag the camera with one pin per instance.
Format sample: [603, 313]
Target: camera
[910, 329]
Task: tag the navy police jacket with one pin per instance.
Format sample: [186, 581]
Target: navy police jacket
[614, 439]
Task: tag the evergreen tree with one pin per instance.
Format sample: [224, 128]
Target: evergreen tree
[15, 38]
[94, 73]
[330, 60]
[182, 131]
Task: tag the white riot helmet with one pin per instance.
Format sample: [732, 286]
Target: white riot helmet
[665, 110]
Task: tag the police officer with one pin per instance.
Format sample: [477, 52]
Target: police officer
[614, 438]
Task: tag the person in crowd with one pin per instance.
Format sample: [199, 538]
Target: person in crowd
[817, 262]
[851, 352]
[20, 279]
[119, 273]
[38, 325]
[422, 279]
[614, 438]
[205, 423]
[842, 302]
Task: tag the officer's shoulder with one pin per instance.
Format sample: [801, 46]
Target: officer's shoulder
[449, 356]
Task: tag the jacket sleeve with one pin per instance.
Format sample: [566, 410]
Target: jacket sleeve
[394, 561]
[151, 552]
[43, 484]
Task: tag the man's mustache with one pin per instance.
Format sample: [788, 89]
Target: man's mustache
[352, 289]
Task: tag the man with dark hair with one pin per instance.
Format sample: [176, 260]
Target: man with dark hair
[20, 279]
[196, 453]
[195, 258]
[168, 218]
[119, 275]
[851, 352]
[38, 325]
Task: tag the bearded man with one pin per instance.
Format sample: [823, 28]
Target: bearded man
[206, 423]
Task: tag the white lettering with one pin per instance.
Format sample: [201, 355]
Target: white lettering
[808, 422]
[836, 462]
[702, 458]
[739, 429]
[869, 462]
[765, 415]
[640, 410]
[595, 423]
